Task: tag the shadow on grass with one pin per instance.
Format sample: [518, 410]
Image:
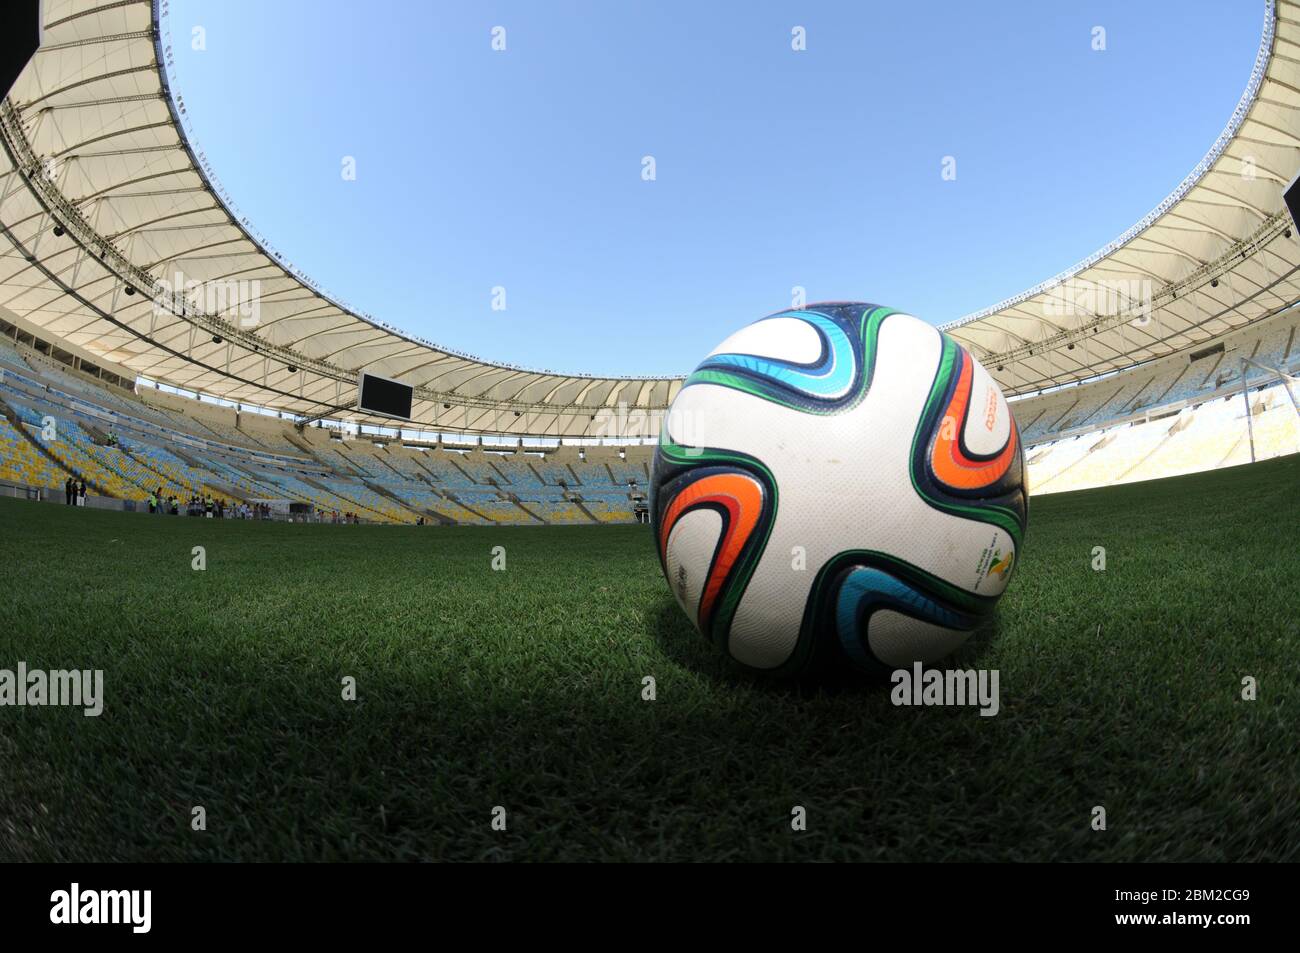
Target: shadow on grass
[584, 768]
[680, 641]
[286, 770]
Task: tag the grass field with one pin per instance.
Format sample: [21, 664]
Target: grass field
[522, 689]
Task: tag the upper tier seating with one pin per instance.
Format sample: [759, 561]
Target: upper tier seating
[1209, 435]
[1169, 381]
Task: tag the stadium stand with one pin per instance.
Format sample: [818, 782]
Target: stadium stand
[20, 462]
[1170, 417]
[1170, 382]
[1210, 434]
[1165, 419]
[185, 447]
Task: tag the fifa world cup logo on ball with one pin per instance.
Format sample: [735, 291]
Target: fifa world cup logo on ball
[838, 485]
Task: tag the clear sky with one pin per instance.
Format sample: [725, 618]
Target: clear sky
[774, 168]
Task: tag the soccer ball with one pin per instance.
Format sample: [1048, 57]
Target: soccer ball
[840, 484]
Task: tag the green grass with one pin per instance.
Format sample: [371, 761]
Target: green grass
[522, 688]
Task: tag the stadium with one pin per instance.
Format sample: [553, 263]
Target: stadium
[168, 361]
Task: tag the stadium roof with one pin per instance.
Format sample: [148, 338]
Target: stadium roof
[104, 202]
[1216, 254]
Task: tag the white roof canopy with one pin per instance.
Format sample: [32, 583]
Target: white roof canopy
[1215, 255]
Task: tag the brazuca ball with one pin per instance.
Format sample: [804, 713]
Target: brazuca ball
[838, 485]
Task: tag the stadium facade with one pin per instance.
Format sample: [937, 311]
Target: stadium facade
[127, 276]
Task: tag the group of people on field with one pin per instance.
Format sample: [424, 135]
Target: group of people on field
[171, 505]
[206, 505]
[197, 504]
[74, 492]
[334, 516]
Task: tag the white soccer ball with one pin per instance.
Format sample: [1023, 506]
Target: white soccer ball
[841, 483]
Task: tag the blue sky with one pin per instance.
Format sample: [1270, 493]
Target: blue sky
[774, 168]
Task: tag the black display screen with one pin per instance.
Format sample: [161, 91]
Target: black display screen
[18, 40]
[379, 395]
[1292, 198]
